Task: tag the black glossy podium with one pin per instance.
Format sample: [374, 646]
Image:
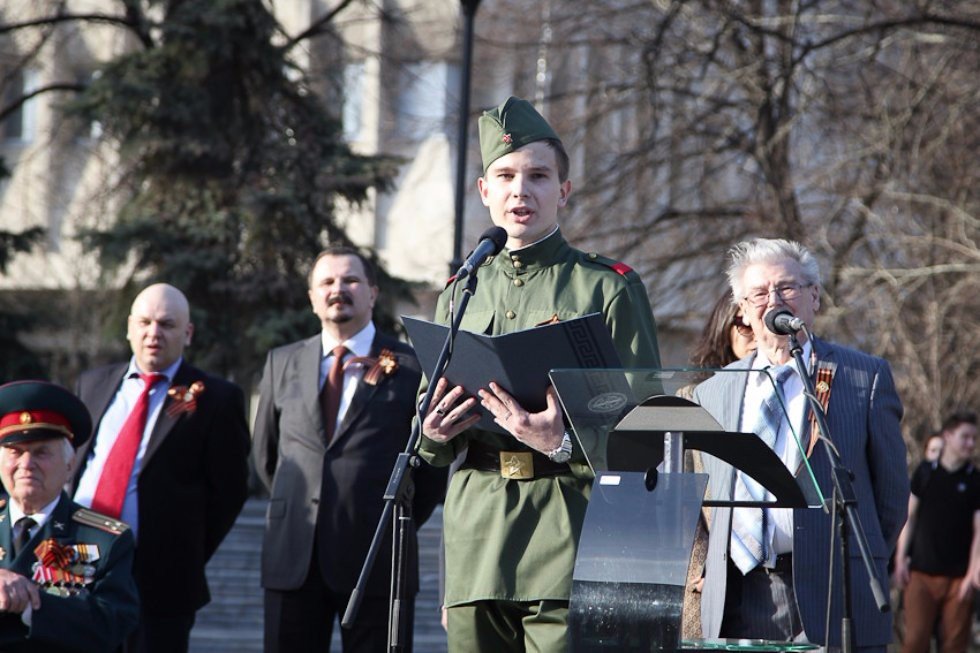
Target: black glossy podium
[634, 553]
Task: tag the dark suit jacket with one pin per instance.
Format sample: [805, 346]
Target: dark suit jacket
[863, 417]
[95, 620]
[336, 491]
[192, 485]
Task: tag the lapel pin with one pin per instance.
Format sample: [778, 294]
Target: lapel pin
[383, 366]
[183, 399]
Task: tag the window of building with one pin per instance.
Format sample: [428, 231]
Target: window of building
[93, 131]
[21, 124]
[353, 104]
[427, 93]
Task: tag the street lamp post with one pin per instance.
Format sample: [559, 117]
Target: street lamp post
[469, 14]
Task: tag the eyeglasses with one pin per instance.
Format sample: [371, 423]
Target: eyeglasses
[785, 292]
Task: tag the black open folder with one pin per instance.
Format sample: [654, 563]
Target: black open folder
[520, 361]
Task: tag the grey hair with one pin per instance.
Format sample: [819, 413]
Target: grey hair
[68, 450]
[768, 250]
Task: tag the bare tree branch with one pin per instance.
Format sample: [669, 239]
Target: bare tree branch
[319, 26]
[56, 19]
[49, 88]
[882, 27]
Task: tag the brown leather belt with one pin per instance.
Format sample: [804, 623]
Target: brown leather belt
[521, 465]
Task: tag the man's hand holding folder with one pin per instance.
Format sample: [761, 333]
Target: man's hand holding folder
[501, 382]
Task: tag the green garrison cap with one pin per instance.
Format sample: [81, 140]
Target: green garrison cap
[513, 124]
[38, 410]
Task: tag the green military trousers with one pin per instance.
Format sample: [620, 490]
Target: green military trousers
[509, 627]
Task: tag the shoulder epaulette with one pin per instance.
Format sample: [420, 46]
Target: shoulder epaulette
[616, 266]
[97, 520]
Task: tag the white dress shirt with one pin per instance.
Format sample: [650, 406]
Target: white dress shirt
[40, 517]
[359, 345]
[108, 431]
[780, 531]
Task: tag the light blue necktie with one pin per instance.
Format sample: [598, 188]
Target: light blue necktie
[749, 541]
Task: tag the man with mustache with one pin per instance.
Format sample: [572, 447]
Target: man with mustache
[335, 410]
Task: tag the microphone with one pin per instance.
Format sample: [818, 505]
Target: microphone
[782, 322]
[491, 242]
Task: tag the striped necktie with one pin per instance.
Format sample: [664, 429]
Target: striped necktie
[749, 540]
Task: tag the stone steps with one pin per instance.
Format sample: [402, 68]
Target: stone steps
[232, 622]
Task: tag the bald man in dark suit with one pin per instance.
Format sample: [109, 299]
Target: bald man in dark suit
[188, 475]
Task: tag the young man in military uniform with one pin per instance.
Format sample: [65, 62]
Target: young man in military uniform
[65, 571]
[510, 543]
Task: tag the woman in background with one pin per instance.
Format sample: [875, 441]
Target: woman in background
[726, 337]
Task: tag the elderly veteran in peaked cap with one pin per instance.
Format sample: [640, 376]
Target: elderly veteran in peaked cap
[65, 571]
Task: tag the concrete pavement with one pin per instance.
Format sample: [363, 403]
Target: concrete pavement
[232, 622]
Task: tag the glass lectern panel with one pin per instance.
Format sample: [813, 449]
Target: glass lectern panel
[620, 416]
[663, 522]
[634, 552]
[633, 559]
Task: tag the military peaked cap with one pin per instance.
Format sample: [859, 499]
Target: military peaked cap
[38, 410]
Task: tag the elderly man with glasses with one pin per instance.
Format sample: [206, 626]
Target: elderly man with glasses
[766, 572]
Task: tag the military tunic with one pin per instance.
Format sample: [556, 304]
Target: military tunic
[91, 615]
[511, 539]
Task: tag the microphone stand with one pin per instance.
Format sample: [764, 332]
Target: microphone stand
[848, 522]
[398, 502]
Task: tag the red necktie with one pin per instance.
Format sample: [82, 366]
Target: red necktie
[111, 490]
[332, 389]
